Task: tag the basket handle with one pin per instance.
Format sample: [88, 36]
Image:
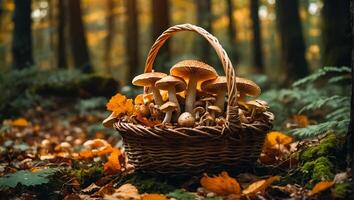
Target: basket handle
[232, 117]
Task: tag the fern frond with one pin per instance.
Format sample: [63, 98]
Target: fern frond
[333, 101]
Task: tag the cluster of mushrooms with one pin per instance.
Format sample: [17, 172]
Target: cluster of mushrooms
[194, 95]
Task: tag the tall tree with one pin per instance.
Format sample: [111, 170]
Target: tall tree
[77, 37]
[232, 31]
[257, 59]
[132, 39]
[61, 45]
[336, 30]
[292, 40]
[204, 19]
[110, 34]
[22, 35]
[160, 22]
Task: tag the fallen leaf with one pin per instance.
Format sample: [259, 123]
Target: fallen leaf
[90, 189]
[105, 190]
[113, 166]
[125, 192]
[20, 122]
[153, 197]
[273, 138]
[221, 185]
[259, 186]
[320, 186]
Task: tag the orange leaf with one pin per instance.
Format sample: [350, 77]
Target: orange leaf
[86, 154]
[20, 122]
[120, 105]
[113, 166]
[153, 197]
[104, 150]
[259, 186]
[273, 138]
[320, 186]
[301, 120]
[221, 185]
[139, 99]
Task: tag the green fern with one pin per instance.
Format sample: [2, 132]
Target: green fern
[27, 178]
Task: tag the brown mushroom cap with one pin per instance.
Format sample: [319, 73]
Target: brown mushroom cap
[187, 68]
[215, 109]
[168, 106]
[247, 87]
[148, 79]
[215, 85]
[166, 82]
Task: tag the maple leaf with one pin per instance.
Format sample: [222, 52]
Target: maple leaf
[259, 186]
[113, 166]
[20, 122]
[120, 105]
[221, 185]
[320, 186]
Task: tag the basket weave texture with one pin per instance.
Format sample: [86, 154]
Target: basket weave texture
[182, 150]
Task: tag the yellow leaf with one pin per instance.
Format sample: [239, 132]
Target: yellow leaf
[259, 186]
[320, 186]
[221, 185]
[20, 122]
[113, 166]
[153, 197]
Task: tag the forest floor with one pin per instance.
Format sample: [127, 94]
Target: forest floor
[49, 154]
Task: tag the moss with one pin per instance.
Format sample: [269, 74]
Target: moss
[328, 146]
[88, 175]
[317, 170]
[341, 190]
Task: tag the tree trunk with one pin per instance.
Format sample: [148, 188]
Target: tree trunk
[132, 39]
[336, 33]
[232, 32]
[22, 35]
[257, 59]
[110, 35]
[77, 37]
[291, 38]
[204, 19]
[61, 54]
[160, 22]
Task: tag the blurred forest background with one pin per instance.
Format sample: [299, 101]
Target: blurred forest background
[285, 40]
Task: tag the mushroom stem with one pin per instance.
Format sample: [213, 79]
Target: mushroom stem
[157, 95]
[168, 117]
[191, 93]
[172, 97]
[220, 99]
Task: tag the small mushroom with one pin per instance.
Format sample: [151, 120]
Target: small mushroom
[256, 106]
[216, 86]
[168, 108]
[173, 85]
[214, 110]
[247, 87]
[242, 116]
[193, 71]
[186, 119]
[148, 80]
[206, 119]
[208, 101]
[198, 111]
[109, 121]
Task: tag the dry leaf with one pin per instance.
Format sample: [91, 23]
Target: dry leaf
[320, 186]
[113, 166]
[20, 122]
[259, 186]
[105, 190]
[120, 105]
[221, 185]
[153, 197]
[125, 192]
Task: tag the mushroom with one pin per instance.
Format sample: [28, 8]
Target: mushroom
[139, 99]
[247, 87]
[198, 111]
[216, 86]
[148, 80]
[206, 119]
[168, 108]
[186, 119]
[214, 110]
[193, 71]
[208, 101]
[256, 106]
[173, 85]
[109, 121]
[220, 121]
[147, 98]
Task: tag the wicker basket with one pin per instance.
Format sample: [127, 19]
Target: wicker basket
[193, 150]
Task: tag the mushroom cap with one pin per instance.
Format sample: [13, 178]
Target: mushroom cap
[215, 108]
[186, 119]
[257, 104]
[199, 110]
[148, 79]
[168, 81]
[187, 68]
[168, 106]
[248, 87]
[210, 99]
[109, 121]
[215, 85]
